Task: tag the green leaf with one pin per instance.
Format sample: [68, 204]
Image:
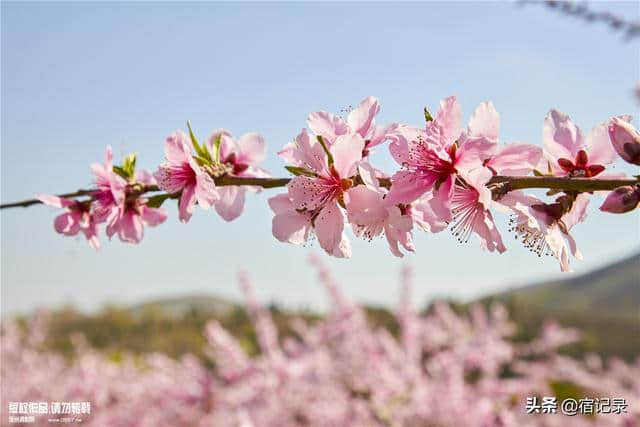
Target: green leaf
[566, 390]
[427, 115]
[201, 161]
[194, 140]
[120, 171]
[536, 172]
[201, 150]
[216, 147]
[129, 165]
[297, 171]
[326, 150]
[157, 201]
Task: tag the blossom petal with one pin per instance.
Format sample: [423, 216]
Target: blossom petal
[252, 148]
[621, 200]
[145, 177]
[379, 134]
[153, 216]
[360, 120]
[307, 192]
[187, 202]
[365, 207]
[131, 228]
[91, 234]
[485, 122]
[231, 202]
[490, 238]
[117, 186]
[177, 149]
[329, 225]
[108, 159]
[206, 191]
[625, 139]
[478, 178]
[55, 201]
[430, 213]
[398, 232]
[225, 142]
[400, 138]
[408, 186]
[66, 224]
[368, 175]
[288, 153]
[113, 221]
[306, 153]
[327, 125]
[561, 137]
[578, 212]
[449, 119]
[516, 159]
[291, 226]
[347, 152]
[555, 242]
[343, 250]
[280, 203]
[598, 146]
[473, 153]
[228, 145]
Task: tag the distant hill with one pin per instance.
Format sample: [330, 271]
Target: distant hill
[604, 304]
[177, 307]
[613, 291]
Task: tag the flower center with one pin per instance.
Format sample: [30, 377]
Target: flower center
[580, 167]
[466, 211]
[534, 240]
[233, 166]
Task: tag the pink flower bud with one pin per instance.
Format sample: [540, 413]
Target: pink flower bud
[622, 200]
[625, 139]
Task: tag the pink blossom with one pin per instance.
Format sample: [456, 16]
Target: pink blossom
[444, 369]
[130, 225]
[400, 138]
[472, 199]
[544, 228]
[109, 197]
[568, 153]
[370, 216]
[429, 214]
[77, 218]
[426, 214]
[135, 214]
[291, 225]
[323, 193]
[514, 159]
[288, 224]
[622, 200]
[625, 139]
[437, 156]
[360, 120]
[470, 208]
[181, 173]
[242, 158]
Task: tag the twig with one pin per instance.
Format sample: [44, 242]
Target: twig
[503, 184]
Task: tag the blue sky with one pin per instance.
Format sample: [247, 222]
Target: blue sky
[79, 76]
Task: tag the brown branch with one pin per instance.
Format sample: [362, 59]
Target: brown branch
[581, 185]
[504, 184]
[221, 181]
[29, 202]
